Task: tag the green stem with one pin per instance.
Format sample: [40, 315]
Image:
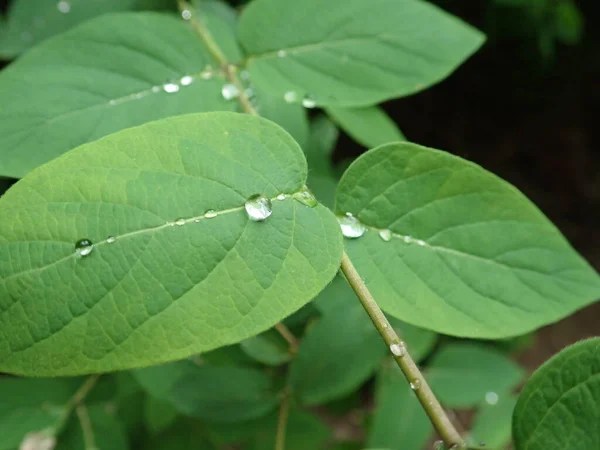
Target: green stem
[429, 402]
[284, 412]
[288, 336]
[77, 398]
[86, 427]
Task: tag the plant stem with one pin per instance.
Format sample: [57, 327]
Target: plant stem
[77, 398]
[86, 427]
[288, 336]
[284, 412]
[429, 402]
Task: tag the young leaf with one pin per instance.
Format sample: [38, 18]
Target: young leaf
[106, 430]
[158, 414]
[492, 424]
[32, 21]
[213, 394]
[399, 422]
[369, 126]
[466, 253]
[463, 375]
[177, 265]
[558, 407]
[325, 367]
[268, 348]
[114, 72]
[351, 52]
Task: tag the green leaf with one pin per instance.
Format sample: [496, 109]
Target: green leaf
[32, 21]
[185, 434]
[165, 289]
[268, 348]
[469, 255]
[492, 424]
[352, 52]
[321, 143]
[30, 405]
[114, 72]
[325, 367]
[399, 423]
[369, 126]
[464, 374]
[303, 431]
[214, 394]
[569, 23]
[158, 414]
[558, 407]
[108, 432]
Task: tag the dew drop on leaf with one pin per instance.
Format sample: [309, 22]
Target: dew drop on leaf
[282, 53]
[386, 235]
[258, 207]
[281, 197]
[111, 239]
[415, 384]
[408, 239]
[491, 398]
[290, 97]
[398, 349]
[186, 80]
[308, 101]
[170, 88]
[351, 226]
[230, 91]
[210, 214]
[180, 221]
[186, 14]
[84, 247]
[306, 197]
[64, 7]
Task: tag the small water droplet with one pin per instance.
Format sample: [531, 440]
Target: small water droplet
[408, 239]
[420, 242]
[186, 80]
[282, 53]
[386, 235]
[290, 97]
[230, 91]
[245, 75]
[491, 398]
[351, 226]
[186, 14]
[64, 6]
[398, 349]
[112, 102]
[258, 207]
[180, 221]
[308, 101]
[111, 239]
[415, 385]
[306, 197]
[40, 440]
[170, 87]
[155, 89]
[206, 75]
[281, 197]
[210, 214]
[170, 224]
[439, 445]
[84, 247]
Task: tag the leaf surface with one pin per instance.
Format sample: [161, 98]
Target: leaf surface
[369, 126]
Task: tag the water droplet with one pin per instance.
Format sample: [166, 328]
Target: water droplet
[386, 235]
[180, 221]
[170, 224]
[155, 89]
[454, 447]
[170, 87]
[206, 75]
[491, 398]
[230, 91]
[210, 214]
[351, 226]
[306, 197]
[281, 197]
[41, 440]
[186, 14]
[439, 445]
[186, 80]
[64, 7]
[290, 97]
[111, 239]
[398, 349]
[84, 247]
[282, 53]
[308, 101]
[408, 239]
[245, 75]
[258, 207]
[415, 384]
[420, 242]
[112, 102]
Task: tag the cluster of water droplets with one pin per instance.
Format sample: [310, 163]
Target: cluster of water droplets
[353, 228]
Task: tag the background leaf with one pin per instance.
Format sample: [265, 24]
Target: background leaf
[268, 348]
[108, 432]
[463, 375]
[369, 126]
[159, 414]
[351, 53]
[492, 424]
[558, 407]
[166, 288]
[468, 254]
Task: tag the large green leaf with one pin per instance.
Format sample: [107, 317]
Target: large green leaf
[463, 375]
[173, 281]
[466, 253]
[351, 52]
[369, 126]
[399, 423]
[32, 21]
[214, 394]
[559, 407]
[114, 72]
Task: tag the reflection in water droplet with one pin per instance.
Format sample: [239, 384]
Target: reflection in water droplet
[180, 221]
[186, 80]
[84, 247]
[398, 349]
[170, 87]
[415, 384]
[64, 7]
[186, 14]
[230, 91]
[282, 53]
[281, 197]
[309, 101]
[351, 227]
[290, 97]
[111, 239]
[210, 214]
[386, 235]
[306, 197]
[491, 398]
[258, 207]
